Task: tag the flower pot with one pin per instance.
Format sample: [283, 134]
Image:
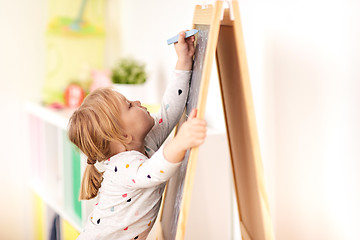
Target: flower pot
[134, 91]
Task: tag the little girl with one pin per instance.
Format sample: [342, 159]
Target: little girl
[126, 141]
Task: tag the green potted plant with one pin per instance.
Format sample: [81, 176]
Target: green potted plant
[129, 78]
[128, 71]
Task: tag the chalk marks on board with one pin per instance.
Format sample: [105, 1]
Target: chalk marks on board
[200, 50]
[175, 186]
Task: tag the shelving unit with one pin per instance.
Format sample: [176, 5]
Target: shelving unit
[57, 166]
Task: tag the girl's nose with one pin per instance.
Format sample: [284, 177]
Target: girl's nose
[137, 102]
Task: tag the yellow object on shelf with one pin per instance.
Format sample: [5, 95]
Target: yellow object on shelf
[68, 231]
[39, 213]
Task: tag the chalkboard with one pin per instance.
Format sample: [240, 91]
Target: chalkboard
[174, 193]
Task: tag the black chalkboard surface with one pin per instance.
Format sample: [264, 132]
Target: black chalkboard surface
[174, 192]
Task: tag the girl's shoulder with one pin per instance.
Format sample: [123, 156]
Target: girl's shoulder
[124, 158]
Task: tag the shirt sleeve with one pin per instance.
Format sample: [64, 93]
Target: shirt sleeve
[142, 172]
[172, 107]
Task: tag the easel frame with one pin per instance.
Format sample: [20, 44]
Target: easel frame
[226, 43]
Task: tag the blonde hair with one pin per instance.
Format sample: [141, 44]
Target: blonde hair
[92, 127]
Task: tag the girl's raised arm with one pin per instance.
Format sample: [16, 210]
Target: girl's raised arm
[175, 97]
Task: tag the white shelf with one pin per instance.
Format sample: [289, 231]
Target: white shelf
[59, 118]
[56, 206]
[48, 159]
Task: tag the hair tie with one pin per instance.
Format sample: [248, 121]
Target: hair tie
[91, 162]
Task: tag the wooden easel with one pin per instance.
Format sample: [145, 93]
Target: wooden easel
[226, 40]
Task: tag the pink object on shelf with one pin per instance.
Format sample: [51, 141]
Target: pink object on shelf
[56, 105]
[101, 78]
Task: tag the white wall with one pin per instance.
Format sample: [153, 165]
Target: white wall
[303, 58]
[311, 54]
[21, 67]
[139, 29]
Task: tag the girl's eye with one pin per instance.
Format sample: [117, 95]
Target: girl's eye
[130, 105]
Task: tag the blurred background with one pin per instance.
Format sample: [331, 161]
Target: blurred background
[303, 58]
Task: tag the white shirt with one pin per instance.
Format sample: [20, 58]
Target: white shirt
[130, 194]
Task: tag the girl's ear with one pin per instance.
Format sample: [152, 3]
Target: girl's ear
[128, 138]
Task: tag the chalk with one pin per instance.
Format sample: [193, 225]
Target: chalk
[187, 34]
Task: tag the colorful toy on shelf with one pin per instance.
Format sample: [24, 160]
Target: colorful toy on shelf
[74, 95]
[63, 26]
[75, 37]
[76, 25]
[67, 26]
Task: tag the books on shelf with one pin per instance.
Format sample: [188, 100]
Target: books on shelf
[55, 167]
[72, 174]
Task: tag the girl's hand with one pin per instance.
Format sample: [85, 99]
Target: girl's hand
[191, 134]
[185, 50]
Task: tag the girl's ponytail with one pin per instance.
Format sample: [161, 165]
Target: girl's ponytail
[92, 127]
[91, 181]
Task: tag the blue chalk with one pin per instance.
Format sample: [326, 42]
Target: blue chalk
[187, 34]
